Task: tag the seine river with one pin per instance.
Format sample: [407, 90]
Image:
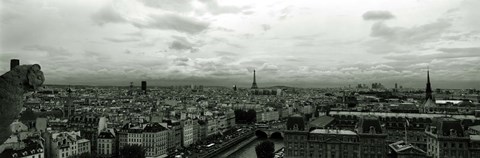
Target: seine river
[248, 151]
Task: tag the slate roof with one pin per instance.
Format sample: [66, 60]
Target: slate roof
[366, 122]
[296, 121]
[445, 125]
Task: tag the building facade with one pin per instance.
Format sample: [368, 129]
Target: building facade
[447, 138]
[107, 144]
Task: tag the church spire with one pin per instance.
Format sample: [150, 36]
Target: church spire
[254, 84]
[429, 87]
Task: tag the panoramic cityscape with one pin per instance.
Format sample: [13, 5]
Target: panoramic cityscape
[239, 79]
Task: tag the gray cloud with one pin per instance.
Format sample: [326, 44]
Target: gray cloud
[121, 40]
[444, 53]
[225, 53]
[182, 44]
[214, 8]
[174, 22]
[107, 14]
[409, 35]
[186, 5]
[181, 61]
[469, 50]
[377, 15]
[266, 27]
[285, 12]
[51, 51]
[175, 5]
[96, 55]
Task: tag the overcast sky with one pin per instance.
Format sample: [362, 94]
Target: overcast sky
[295, 43]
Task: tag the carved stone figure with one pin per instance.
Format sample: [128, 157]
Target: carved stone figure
[14, 86]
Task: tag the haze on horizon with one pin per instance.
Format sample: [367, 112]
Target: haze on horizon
[299, 43]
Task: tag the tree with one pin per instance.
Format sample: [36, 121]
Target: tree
[265, 149]
[132, 151]
[251, 116]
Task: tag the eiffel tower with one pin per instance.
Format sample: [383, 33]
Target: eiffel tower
[254, 84]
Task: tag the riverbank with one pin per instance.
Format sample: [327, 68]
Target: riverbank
[248, 150]
[236, 148]
[229, 145]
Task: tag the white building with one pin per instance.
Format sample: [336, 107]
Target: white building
[106, 146]
[67, 144]
[151, 136]
[187, 132]
[265, 116]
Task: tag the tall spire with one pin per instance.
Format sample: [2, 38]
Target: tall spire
[428, 90]
[254, 84]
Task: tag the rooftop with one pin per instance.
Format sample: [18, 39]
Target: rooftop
[83, 140]
[475, 137]
[322, 121]
[476, 127]
[402, 115]
[333, 131]
[402, 146]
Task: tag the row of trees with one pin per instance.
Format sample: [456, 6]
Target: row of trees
[245, 117]
[132, 151]
[128, 151]
[266, 149]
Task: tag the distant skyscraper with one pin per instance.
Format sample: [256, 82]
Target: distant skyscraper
[396, 86]
[254, 84]
[14, 63]
[234, 87]
[428, 88]
[144, 87]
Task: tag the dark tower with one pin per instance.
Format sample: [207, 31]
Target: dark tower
[234, 87]
[428, 88]
[144, 87]
[14, 63]
[254, 84]
[130, 91]
[69, 107]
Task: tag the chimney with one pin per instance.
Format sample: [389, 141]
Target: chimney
[14, 63]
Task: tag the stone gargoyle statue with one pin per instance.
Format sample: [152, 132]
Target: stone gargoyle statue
[14, 86]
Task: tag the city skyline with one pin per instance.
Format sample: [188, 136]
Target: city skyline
[301, 44]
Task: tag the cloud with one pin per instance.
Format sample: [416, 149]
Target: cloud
[268, 67]
[470, 50]
[107, 14]
[176, 5]
[181, 61]
[51, 51]
[225, 53]
[409, 35]
[97, 55]
[377, 15]
[121, 40]
[182, 6]
[443, 53]
[174, 22]
[266, 27]
[285, 12]
[214, 8]
[182, 44]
